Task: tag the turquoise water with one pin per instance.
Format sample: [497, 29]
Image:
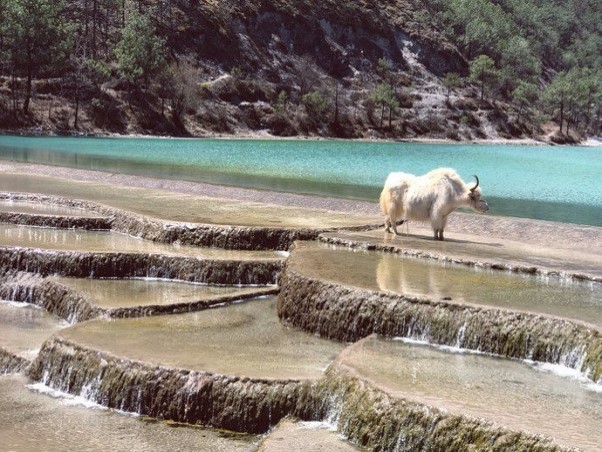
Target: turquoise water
[546, 182]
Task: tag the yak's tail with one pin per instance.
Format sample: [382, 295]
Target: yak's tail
[384, 201]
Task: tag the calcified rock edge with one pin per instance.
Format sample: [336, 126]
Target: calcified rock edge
[422, 254]
[75, 306]
[138, 265]
[364, 414]
[218, 236]
[347, 313]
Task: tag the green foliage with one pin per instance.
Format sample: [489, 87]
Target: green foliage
[35, 38]
[385, 97]
[483, 72]
[98, 72]
[518, 63]
[281, 102]
[524, 37]
[237, 73]
[384, 68]
[140, 52]
[315, 104]
[576, 95]
[524, 96]
[451, 81]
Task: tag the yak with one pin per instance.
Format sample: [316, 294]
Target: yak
[431, 197]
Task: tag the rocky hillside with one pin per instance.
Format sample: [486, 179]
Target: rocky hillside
[288, 68]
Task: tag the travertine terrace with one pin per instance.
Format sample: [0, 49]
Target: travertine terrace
[241, 315]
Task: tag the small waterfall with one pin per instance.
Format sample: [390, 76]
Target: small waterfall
[11, 363]
[460, 340]
[349, 314]
[132, 265]
[373, 419]
[180, 395]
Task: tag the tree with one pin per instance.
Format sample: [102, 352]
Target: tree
[37, 39]
[315, 104]
[281, 102]
[483, 72]
[386, 98]
[87, 75]
[140, 52]
[384, 68]
[524, 96]
[178, 85]
[557, 95]
[451, 81]
[518, 63]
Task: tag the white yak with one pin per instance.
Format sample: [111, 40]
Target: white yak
[431, 197]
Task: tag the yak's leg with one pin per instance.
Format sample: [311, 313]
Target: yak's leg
[398, 223]
[387, 225]
[438, 224]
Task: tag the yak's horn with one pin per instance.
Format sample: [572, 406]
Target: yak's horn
[475, 187]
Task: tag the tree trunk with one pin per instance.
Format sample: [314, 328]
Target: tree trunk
[336, 103]
[390, 117]
[14, 95]
[561, 114]
[94, 10]
[382, 115]
[27, 93]
[76, 122]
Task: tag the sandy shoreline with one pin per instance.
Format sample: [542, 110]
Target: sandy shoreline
[264, 135]
[534, 232]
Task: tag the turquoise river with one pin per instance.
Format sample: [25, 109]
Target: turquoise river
[554, 183]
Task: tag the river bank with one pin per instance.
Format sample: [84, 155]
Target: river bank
[350, 283]
[266, 135]
[540, 233]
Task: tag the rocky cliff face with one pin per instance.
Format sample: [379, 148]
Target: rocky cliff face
[249, 66]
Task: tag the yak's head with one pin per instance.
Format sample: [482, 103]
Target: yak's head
[477, 202]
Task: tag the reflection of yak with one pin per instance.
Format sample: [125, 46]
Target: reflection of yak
[412, 278]
[431, 197]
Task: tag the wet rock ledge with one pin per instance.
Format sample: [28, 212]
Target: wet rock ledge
[206, 235]
[11, 363]
[55, 221]
[346, 313]
[181, 395]
[139, 265]
[75, 306]
[234, 367]
[374, 419]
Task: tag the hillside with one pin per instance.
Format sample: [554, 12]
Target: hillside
[389, 69]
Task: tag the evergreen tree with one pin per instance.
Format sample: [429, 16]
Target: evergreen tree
[36, 39]
[557, 95]
[524, 95]
[483, 72]
[140, 52]
[385, 97]
[451, 81]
